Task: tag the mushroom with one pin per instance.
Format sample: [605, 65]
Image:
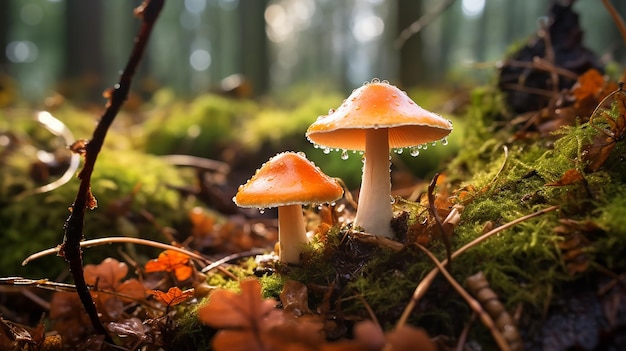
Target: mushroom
[374, 118]
[287, 181]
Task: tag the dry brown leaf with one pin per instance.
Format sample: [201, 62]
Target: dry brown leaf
[227, 309]
[570, 176]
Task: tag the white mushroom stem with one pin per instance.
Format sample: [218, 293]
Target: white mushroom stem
[291, 233]
[374, 212]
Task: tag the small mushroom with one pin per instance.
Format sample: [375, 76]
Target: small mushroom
[374, 118]
[287, 181]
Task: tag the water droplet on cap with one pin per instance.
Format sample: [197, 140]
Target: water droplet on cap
[415, 151]
[344, 154]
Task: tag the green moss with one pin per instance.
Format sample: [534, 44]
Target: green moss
[201, 127]
[36, 222]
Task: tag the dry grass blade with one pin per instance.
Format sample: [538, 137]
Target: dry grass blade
[472, 302]
[423, 286]
[138, 241]
[57, 128]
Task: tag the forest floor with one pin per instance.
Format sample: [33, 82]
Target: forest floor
[512, 236]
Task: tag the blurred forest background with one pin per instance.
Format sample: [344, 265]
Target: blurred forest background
[77, 47]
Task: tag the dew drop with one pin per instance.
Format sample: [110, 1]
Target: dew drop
[424, 147]
[333, 204]
[320, 207]
[415, 151]
[316, 146]
[344, 154]
[331, 111]
[419, 147]
[392, 199]
[444, 141]
[434, 143]
[327, 150]
[261, 210]
[399, 151]
[385, 81]
[301, 153]
[375, 80]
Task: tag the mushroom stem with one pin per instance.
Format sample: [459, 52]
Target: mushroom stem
[291, 233]
[374, 212]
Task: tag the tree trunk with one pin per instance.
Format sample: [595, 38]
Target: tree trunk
[254, 52]
[411, 60]
[84, 51]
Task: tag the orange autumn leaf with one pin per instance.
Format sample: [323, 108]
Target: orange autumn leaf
[589, 85]
[171, 261]
[227, 309]
[173, 296]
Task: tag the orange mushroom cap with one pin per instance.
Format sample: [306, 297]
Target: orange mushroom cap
[287, 179]
[378, 105]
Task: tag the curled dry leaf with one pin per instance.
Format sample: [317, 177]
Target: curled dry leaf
[171, 261]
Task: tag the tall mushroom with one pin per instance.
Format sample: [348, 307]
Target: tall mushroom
[374, 118]
[287, 181]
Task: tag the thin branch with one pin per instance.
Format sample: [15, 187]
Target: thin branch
[74, 225]
[435, 214]
[421, 22]
[473, 304]
[423, 286]
[619, 21]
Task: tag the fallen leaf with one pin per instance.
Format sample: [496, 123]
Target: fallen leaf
[227, 309]
[173, 296]
[570, 176]
[171, 261]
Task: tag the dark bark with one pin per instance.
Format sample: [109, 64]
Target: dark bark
[84, 55]
[5, 10]
[253, 41]
[74, 226]
[411, 60]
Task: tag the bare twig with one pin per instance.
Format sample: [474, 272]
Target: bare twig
[619, 21]
[473, 304]
[217, 264]
[435, 214]
[74, 225]
[422, 22]
[422, 287]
